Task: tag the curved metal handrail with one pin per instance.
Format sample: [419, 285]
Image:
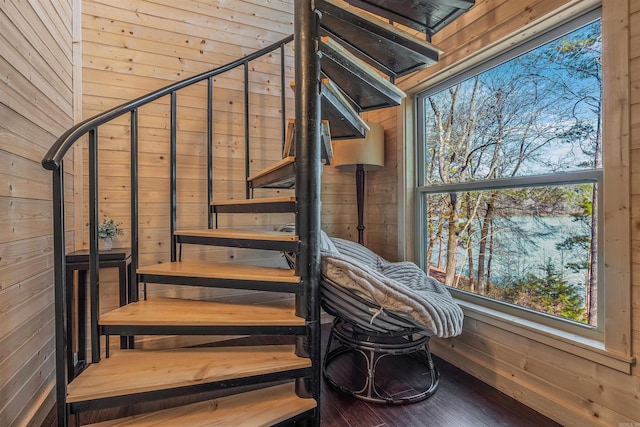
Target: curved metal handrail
[54, 156]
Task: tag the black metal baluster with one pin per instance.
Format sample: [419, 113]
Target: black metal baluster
[283, 101]
[94, 255]
[133, 280]
[246, 128]
[210, 150]
[172, 176]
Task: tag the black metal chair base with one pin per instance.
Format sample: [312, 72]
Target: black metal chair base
[349, 338]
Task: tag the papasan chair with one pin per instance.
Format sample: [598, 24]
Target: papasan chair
[382, 310]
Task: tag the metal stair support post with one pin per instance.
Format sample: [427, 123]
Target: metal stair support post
[307, 140]
[61, 327]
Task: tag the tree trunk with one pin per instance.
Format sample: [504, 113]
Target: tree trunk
[591, 302]
[470, 214]
[482, 247]
[440, 248]
[452, 241]
[472, 283]
[428, 256]
[490, 258]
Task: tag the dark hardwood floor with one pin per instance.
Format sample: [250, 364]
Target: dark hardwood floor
[460, 401]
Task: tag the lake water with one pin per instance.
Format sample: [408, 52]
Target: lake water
[522, 245]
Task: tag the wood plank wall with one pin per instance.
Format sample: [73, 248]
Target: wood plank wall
[339, 209]
[572, 390]
[36, 105]
[634, 71]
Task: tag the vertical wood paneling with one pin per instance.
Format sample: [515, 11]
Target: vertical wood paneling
[617, 171]
[339, 209]
[634, 70]
[570, 389]
[35, 107]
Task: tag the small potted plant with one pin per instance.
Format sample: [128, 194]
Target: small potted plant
[107, 230]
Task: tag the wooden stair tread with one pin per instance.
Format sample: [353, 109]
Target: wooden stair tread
[264, 407]
[281, 174]
[230, 233]
[281, 199]
[220, 270]
[282, 163]
[181, 312]
[137, 371]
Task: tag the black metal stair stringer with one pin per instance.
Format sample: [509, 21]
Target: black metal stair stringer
[130, 330]
[364, 86]
[344, 121]
[385, 47]
[244, 243]
[259, 206]
[254, 285]
[427, 16]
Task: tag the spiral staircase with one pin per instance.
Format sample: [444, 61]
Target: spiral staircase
[347, 59]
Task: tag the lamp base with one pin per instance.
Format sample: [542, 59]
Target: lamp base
[360, 201]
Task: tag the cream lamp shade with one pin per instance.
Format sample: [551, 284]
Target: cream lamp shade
[367, 151]
[360, 155]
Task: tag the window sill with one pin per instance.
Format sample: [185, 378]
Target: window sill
[577, 345]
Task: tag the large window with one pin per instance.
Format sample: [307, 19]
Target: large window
[510, 172]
